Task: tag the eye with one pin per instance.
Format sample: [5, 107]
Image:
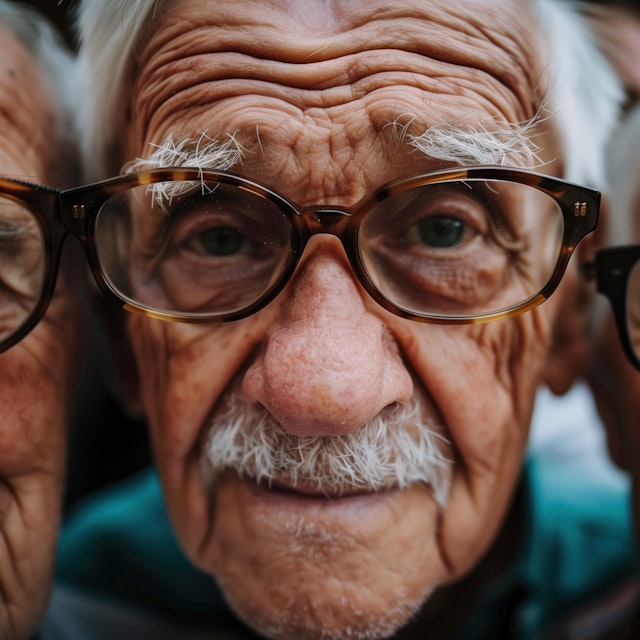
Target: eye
[221, 241]
[441, 231]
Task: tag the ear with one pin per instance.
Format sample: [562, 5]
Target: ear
[569, 352]
[118, 355]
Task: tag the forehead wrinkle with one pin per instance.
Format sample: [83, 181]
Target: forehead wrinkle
[226, 78]
[377, 95]
[183, 56]
[24, 100]
[414, 29]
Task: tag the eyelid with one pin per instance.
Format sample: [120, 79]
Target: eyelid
[8, 231]
[456, 204]
[185, 228]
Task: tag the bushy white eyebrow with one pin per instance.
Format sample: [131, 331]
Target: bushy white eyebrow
[205, 153]
[475, 145]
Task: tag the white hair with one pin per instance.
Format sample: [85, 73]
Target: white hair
[623, 171]
[511, 146]
[397, 448]
[585, 93]
[57, 64]
[108, 35]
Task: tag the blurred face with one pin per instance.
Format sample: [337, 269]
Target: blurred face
[615, 381]
[309, 90]
[34, 375]
[620, 26]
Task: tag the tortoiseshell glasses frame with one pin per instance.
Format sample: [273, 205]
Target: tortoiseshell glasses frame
[379, 264]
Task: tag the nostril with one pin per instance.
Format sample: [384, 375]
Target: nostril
[324, 382]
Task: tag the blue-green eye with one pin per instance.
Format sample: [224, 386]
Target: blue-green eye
[221, 241]
[441, 231]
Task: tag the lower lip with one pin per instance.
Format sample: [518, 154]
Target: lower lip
[284, 498]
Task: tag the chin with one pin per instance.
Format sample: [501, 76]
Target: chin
[296, 567]
[327, 612]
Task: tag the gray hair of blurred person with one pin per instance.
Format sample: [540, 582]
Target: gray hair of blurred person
[623, 171]
[57, 64]
[584, 85]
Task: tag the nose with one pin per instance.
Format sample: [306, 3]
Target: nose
[329, 364]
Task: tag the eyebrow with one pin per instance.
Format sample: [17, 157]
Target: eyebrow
[510, 145]
[204, 153]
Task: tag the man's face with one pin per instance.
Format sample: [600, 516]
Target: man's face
[35, 374]
[310, 91]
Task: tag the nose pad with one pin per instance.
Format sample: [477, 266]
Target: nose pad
[329, 365]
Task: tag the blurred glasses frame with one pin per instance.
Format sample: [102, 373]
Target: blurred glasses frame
[74, 212]
[611, 269]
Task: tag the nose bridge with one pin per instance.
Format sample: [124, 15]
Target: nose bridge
[322, 219]
[74, 211]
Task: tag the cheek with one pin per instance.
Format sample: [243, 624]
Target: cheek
[616, 387]
[483, 380]
[183, 371]
[35, 386]
[31, 421]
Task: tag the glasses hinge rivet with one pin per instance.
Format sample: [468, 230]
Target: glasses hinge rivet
[580, 209]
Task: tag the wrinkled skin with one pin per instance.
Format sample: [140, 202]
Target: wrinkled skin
[35, 375]
[321, 81]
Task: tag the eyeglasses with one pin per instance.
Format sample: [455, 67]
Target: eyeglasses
[617, 274]
[454, 246]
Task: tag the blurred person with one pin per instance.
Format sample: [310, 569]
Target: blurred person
[612, 376]
[617, 27]
[338, 206]
[615, 381]
[38, 371]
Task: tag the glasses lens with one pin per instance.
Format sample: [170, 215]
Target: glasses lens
[633, 308]
[461, 248]
[191, 248]
[22, 265]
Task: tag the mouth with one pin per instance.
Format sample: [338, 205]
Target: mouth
[316, 493]
[281, 501]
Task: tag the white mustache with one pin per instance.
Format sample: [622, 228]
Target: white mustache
[398, 448]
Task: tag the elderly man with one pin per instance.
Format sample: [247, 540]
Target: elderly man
[37, 374]
[338, 427]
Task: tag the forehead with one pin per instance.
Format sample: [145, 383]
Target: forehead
[329, 77]
[25, 115]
